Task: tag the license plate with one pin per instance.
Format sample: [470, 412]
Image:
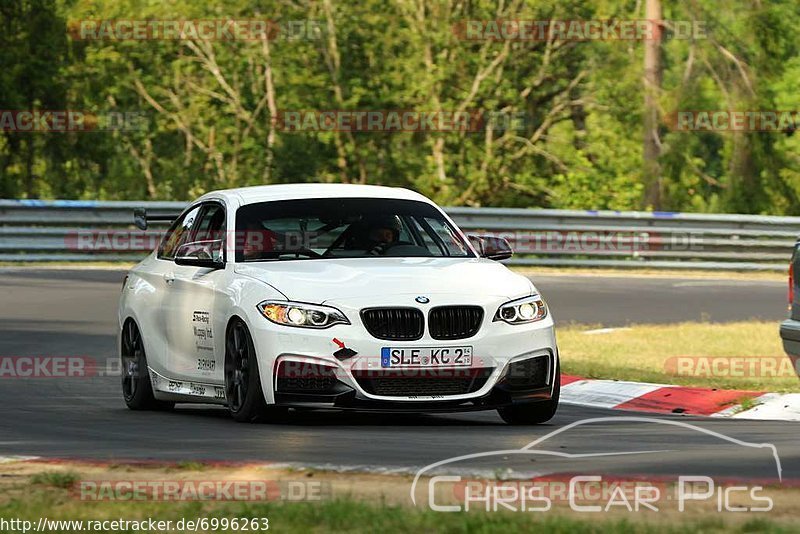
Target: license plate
[405, 357]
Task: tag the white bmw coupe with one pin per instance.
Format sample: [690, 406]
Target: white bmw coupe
[330, 296]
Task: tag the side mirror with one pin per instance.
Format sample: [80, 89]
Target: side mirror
[201, 254]
[491, 247]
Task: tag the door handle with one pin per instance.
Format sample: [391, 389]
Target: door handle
[169, 278]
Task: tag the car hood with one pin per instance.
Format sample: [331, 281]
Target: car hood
[334, 279]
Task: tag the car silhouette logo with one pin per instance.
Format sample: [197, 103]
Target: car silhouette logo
[533, 450]
[422, 300]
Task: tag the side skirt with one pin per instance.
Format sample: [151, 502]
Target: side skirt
[168, 389]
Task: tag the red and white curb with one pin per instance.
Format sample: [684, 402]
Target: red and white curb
[664, 398]
[12, 459]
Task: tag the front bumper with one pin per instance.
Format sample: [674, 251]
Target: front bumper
[509, 389]
[494, 348]
[790, 334]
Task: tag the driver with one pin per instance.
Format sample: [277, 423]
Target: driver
[385, 230]
[255, 241]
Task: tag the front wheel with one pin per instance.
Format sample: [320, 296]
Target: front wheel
[534, 413]
[242, 380]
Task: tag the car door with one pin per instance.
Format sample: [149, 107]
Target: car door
[196, 347]
[159, 276]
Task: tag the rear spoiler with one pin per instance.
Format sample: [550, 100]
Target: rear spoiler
[141, 218]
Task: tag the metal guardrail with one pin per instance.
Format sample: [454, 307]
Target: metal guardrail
[68, 230]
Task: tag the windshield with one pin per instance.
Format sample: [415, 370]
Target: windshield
[344, 228]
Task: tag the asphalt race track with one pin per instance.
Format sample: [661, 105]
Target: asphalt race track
[73, 313]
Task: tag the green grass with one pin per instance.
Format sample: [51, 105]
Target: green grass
[746, 403]
[352, 517]
[56, 479]
[642, 353]
[190, 466]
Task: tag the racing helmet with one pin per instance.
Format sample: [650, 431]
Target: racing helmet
[391, 222]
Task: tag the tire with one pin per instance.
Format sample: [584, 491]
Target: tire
[243, 392]
[534, 413]
[137, 389]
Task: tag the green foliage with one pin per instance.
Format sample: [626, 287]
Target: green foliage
[56, 479]
[209, 104]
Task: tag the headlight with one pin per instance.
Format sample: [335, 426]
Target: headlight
[526, 310]
[301, 315]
